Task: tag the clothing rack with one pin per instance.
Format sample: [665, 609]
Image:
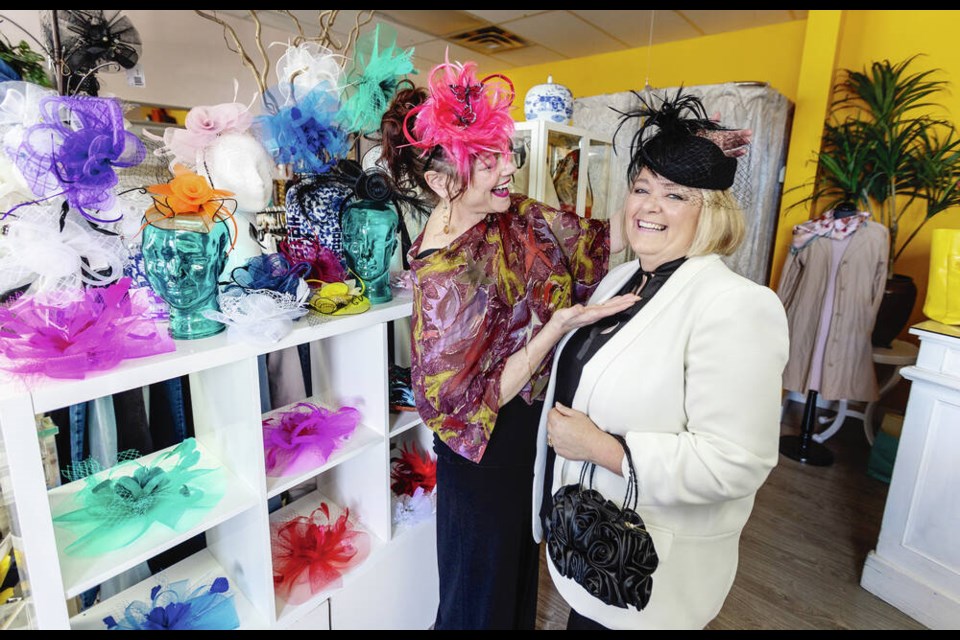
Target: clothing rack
[804, 448]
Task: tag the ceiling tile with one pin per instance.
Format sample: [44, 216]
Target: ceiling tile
[406, 36]
[632, 28]
[717, 21]
[433, 51]
[564, 33]
[499, 16]
[525, 56]
[439, 22]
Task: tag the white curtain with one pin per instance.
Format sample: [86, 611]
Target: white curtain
[758, 184]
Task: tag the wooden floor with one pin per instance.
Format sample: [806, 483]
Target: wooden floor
[802, 551]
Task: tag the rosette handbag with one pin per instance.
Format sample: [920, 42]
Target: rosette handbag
[605, 548]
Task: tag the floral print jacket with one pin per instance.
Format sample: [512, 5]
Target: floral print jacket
[481, 298]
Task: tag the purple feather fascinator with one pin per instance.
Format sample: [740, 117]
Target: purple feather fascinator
[75, 151]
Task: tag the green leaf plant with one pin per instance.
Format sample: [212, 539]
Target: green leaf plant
[882, 150]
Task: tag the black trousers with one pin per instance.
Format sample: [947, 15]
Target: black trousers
[488, 561]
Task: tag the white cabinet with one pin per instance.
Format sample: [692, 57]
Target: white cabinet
[916, 565]
[555, 158]
[395, 587]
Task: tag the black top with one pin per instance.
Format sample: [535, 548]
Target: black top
[585, 343]
[587, 340]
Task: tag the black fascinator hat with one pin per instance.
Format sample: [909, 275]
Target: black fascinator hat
[671, 143]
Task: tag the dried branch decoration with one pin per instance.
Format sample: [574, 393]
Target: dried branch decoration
[324, 38]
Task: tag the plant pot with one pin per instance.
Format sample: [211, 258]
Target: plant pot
[895, 310]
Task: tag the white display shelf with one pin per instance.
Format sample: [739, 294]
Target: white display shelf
[194, 355]
[402, 421]
[288, 614]
[359, 441]
[349, 366]
[82, 573]
[200, 567]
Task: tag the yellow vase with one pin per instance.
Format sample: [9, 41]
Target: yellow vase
[943, 286]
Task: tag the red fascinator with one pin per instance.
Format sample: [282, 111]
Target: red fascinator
[463, 115]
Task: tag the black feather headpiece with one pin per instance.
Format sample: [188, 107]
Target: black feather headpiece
[670, 143]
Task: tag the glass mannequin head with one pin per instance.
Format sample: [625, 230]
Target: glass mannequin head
[183, 267]
[369, 231]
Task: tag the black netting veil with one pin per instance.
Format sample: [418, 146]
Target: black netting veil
[675, 141]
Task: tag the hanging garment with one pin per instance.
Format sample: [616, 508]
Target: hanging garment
[847, 355]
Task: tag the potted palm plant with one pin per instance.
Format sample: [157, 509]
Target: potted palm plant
[883, 151]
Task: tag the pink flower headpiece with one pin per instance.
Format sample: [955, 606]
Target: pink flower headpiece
[463, 115]
[203, 125]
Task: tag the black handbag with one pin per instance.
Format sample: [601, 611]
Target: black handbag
[604, 548]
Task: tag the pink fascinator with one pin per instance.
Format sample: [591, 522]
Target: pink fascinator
[463, 115]
[203, 125]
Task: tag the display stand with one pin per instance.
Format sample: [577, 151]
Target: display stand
[804, 448]
[396, 587]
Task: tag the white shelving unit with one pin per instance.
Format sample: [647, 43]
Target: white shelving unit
[548, 144]
[394, 588]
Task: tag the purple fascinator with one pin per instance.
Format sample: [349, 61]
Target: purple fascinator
[75, 150]
[93, 333]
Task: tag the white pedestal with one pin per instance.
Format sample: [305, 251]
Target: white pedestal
[916, 564]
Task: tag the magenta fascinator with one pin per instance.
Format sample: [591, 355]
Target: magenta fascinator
[75, 151]
[304, 437]
[93, 333]
[463, 115]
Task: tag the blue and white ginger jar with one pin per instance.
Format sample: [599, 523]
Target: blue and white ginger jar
[550, 101]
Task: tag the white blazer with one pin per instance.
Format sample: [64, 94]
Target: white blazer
[693, 382]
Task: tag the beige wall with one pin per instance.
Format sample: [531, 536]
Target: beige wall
[185, 59]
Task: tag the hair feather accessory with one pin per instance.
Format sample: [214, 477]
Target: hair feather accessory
[186, 199]
[203, 125]
[260, 315]
[75, 151]
[322, 263]
[412, 470]
[118, 506]
[372, 79]
[311, 553]
[180, 606]
[409, 510]
[305, 134]
[54, 251]
[305, 436]
[271, 271]
[305, 66]
[674, 141]
[463, 115]
[94, 333]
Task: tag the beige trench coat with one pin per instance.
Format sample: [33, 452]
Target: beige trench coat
[848, 372]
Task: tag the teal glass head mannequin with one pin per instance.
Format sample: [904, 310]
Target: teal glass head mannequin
[183, 266]
[369, 230]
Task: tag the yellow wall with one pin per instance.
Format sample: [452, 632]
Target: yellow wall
[766, 54]
[795, 59]
[870, 36]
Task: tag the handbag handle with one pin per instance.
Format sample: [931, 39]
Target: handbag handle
[633, 487]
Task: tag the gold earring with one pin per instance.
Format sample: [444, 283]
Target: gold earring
[446, 219]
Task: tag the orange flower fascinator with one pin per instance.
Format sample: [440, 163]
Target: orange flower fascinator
[189, 202]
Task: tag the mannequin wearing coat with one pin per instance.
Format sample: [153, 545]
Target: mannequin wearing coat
[831, 287]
